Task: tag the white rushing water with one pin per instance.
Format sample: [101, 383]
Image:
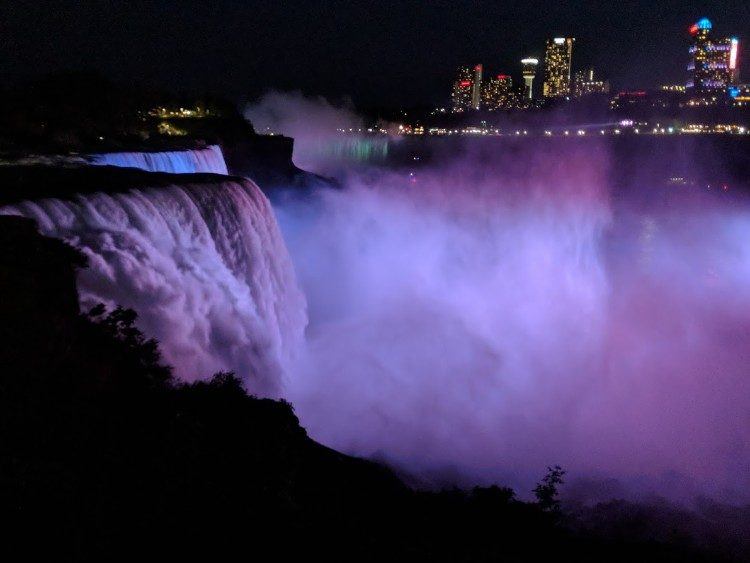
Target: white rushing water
[204, 265]
[190, 161]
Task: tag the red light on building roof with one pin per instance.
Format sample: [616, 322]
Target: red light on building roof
[478, 67]
[465, 83]
[503, 76]
[694, 29]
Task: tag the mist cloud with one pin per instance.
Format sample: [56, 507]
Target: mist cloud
[313, 122]
[501, 314]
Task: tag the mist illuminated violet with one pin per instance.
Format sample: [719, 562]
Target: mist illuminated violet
[500, 315]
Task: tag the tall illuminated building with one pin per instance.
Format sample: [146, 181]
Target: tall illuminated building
[557, 59]
[498, 94]
[713, 62]
[461, 93]
[529, 72]
[476, 88]
[467, 89]
[734, 55]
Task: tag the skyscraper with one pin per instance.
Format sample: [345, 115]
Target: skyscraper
[462, 90]
[557, 59]
[734, 54]
[498, 93]
[713, 62]
[467, 89]
[476, 88]
[529, 72]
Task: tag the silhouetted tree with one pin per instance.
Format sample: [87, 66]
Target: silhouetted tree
[547, 492]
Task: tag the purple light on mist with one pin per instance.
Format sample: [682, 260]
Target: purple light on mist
[500, 316]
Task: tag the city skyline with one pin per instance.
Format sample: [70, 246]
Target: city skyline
[713, 73]
[384, 55]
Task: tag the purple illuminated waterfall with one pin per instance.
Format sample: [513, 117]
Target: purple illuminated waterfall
[204, 265]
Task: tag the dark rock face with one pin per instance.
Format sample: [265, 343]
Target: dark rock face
[40, 303]
[267, 160]
[262, 156]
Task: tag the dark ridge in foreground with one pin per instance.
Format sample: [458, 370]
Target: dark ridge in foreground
[105, 457]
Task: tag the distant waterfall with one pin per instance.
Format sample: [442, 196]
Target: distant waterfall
[189, 161]
[204, 265]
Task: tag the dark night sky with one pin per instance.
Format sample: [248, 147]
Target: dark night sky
[379, 53]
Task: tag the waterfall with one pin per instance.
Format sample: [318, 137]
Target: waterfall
[203, 264]
[190, 161]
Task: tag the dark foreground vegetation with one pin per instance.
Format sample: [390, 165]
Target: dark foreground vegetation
[104, 456]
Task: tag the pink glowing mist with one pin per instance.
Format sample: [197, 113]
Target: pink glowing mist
[498, 315]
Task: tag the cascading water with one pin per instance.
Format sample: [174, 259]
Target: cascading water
[204, 265]
[209, 160]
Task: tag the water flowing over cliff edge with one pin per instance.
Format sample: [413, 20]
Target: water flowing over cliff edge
[198, 256]
[209, 159]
